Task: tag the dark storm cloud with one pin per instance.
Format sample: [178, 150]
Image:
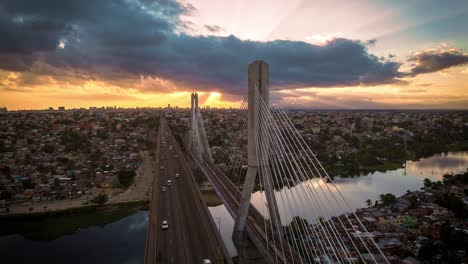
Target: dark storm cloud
[141, 37]
[214, 28]
[436, 60]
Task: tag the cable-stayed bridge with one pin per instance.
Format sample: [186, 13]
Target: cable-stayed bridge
[277, 191]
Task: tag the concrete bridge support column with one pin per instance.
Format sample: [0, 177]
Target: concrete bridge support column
[258, 74]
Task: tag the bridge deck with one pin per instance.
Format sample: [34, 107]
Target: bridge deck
[192, 234]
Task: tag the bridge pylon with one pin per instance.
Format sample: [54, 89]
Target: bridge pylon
[258, 79]
[198, 141]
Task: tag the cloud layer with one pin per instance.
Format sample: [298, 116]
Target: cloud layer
[437, 59]
[108, 37]
[143, 40]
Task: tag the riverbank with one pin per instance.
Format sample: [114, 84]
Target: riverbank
[138, 191]
[54, 224]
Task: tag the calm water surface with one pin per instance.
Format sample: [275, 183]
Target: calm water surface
[355, 190]
[121, 242]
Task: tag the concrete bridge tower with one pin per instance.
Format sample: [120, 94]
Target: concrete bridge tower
[198, 140]
[258, 83]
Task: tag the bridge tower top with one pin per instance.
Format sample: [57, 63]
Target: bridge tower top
[194, 100]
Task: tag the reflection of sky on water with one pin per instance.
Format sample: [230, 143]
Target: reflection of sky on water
[436, 166]
[120, 242]
[358, 189]
[355, 191]
[222, 218]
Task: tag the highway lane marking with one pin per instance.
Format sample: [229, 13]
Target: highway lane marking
[197, 201]
[176, 201]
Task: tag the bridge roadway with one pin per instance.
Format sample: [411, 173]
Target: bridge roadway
[257, 227]
[192, 235]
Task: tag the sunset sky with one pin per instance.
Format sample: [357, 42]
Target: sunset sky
[323, 54]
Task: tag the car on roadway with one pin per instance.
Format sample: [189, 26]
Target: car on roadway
[164, 189]
[169, 182]
[165, 226]
[177, 175]
[206, 261]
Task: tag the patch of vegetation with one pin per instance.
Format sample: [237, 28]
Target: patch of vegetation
[100, 199]
[388, 199]
[199, 176]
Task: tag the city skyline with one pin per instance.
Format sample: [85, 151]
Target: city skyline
[322, 55]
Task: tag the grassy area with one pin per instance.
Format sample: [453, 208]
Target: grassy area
[460, 146]
[52, 225]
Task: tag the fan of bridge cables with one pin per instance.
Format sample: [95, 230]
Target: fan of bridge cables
[316, 221]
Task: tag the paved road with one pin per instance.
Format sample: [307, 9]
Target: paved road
[191, 236]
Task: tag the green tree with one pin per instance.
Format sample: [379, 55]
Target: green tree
[427, 183]
[100, 199]
[388, 199]
[368, 202]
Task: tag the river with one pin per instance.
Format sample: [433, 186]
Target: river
[356, 190]
[123, 241]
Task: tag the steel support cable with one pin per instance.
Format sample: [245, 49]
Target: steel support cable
[231, 165]
[294, 200]
[313, 229]
[339, 219]
[330, 224]
[319, 184]
[262, 161]
[240, 172]
[276, 168]
[327, 233]
[262, 193]
[227, 140]
[238, 165]
[338, 191]
[323, 234]
[288, 210]
[291, 234]
[324, 231]
[233, 145]
[352, 225]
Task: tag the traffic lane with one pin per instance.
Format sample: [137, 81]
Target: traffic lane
[192, 209]
[162, 213]
[172, 244]
[198, 234]
[167, 238]
[179, 222]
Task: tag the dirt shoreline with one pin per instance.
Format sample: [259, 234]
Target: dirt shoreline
[137, 192]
